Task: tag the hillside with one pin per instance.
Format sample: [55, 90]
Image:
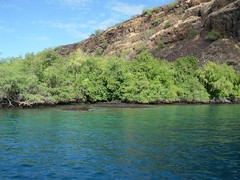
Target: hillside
[207, 29]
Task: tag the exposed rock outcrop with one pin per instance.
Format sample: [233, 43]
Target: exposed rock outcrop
[226, 20]
[174, 30]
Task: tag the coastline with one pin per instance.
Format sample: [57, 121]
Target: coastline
[117, 104]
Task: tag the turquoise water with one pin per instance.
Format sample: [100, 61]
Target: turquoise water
[156, 142]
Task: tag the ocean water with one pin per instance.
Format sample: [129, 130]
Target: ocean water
[117, 142]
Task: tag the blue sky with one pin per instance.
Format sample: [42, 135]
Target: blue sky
[33, 25]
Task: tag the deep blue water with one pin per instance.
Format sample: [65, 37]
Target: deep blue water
[157, 142]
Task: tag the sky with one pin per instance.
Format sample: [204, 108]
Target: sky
[28, 26]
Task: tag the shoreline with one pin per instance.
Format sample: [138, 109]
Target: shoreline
[116, 104]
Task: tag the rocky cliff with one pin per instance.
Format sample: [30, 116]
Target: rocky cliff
[207, 29]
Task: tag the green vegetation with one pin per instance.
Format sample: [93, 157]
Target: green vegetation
[48, 78]
[172, 5]
[99, 51]
[167, 25]
[160, 44]
[148, 12]
[140, 48]
[124, 54]
[213, 35]
[96, 33]
[191, 34]
[104, 44]
[219, 80]
[157, 22]
[188, 85]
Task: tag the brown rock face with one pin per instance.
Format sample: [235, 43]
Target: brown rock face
[226, 20]
[179, 31]
[174, 30]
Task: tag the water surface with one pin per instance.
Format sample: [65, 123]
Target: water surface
[157, 142]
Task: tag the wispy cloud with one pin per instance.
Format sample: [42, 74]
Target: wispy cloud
[126, 8]
[73, 4]
[61, 25]
[107, 23]
[6, 29]
[41, 38]
[77, 30]
[5, 5]
[73, 29]
[34, 37]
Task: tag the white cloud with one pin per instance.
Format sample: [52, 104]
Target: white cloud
[5, 5]
[34, 37]
[126, 8]
[73, 29]
[73, 4]
[107, 23]
[60, 25]
[77, 30]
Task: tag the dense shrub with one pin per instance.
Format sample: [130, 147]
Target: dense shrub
[49, 78]
[213, 35]
[189, 86]
[148, 12]
[218, 79]
[191, 34]
[96, 33]
[167, 25]
[99, 51]
[160, 44]
[140, 48]
[157, 22]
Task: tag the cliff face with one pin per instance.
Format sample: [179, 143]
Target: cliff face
[207, 29]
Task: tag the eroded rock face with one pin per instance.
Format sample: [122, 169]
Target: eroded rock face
[224, 50]
[179, 31]
[226, 20]
[179, 25]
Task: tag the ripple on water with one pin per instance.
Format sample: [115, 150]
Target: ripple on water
[153, 142]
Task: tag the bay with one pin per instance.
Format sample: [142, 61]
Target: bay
[118, 142]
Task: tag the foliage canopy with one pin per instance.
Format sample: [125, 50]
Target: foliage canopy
[48, 78]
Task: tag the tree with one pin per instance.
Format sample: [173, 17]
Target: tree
[218, 79]
[188, 86]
